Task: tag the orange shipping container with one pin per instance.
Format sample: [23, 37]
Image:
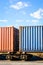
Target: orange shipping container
[9, 39]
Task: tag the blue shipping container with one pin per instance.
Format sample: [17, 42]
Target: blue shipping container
[31, 38]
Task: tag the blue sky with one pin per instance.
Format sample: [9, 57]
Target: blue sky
[21, 12]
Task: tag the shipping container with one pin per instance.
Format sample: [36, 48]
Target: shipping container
[31, 38]
[9, 39]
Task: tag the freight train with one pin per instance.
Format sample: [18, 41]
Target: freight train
[22, 43]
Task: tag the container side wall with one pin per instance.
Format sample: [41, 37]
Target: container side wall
[42, 40]
[12, 38]
[6, 39]
[16, 40]
[31, 39]
[2, 45]
[9, 37]
[0, 38]
[20, 38]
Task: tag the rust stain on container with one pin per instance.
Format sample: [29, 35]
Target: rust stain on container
[8, 39]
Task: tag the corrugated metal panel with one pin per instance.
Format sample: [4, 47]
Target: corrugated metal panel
[0, 39]
[7, 39]
[31, 38]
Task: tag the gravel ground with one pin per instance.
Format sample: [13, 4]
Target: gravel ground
[21, 62]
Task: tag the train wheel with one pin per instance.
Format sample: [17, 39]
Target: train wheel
[8, 57]
[23, 57]
[11, 57]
